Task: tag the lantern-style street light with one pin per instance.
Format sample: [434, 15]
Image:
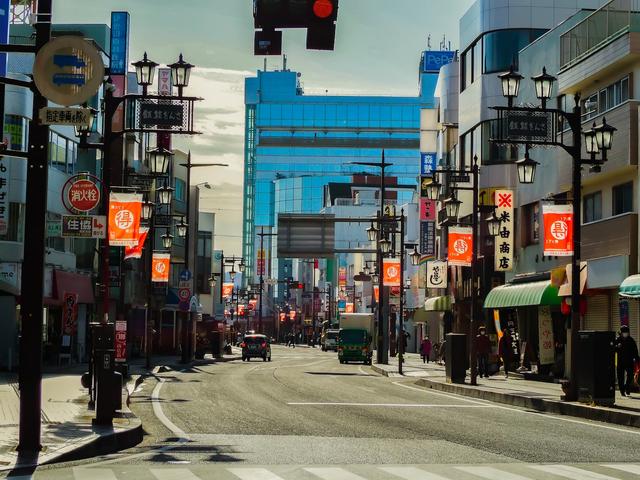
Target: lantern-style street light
[145, 71]
[493, 224]
[167, 241]
[372, 233]
[147, 210]
[164, 194]
[180, 74]
[158, 160]
[385, 245]
[181, 228]
[526, 169]
[510, 84]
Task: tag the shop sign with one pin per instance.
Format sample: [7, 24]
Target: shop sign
[427, 210]
[292, 314]
[428, 163]
[69, 313]
[342, 276]
[558, 230]
[119, 51]
[161, 114]
[121, 341]
[164, 81]
[545, 336]
[527, 126]
[136, 252]
[70, 116]
[424, 186]
[623, 305]
[437, 274]
[460, 246]
[376, 293]
[261, 262]
[160, 265]
[348, 308]
[4, 195]
[84, 226]
[124, 219]
[10, 273]
[504, 242]
[428, 238]
[227, 290]
[83, 195]
[54, 228]
[391, 272]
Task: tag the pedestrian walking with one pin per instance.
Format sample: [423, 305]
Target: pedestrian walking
[483, 349]
[505, 351]
[442, 351]
[627, 351]
[425, 349]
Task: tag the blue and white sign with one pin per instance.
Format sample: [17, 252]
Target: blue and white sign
[433, 61]
[185, 275]
[119, 43]
[4, 34]
[428, 163]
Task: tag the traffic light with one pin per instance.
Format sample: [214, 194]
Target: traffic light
[317, 16]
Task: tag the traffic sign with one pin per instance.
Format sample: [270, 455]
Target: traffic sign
[184, 294]
[83, 195]
[68, 70]
[186, 275]
[76, 117]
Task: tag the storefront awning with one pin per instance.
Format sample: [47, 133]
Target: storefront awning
[438, 304]
[71, 282]
[630, 287]
[522, 295]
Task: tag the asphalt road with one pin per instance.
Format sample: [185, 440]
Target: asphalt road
[305, 416]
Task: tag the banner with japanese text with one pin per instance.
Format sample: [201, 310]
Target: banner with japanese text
[558, 230]
[136, 252]
[428, 239]
[504, 242]
[70, 313]
[160, 265]
[227, 290]
[460, 246]
[4, 194]
[545, 335]
[391, 272]
[437, 274]
[376, 293]
[427, 210]
[124, 219]
[121, 341]
[349, 308]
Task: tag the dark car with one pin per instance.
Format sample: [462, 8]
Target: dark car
[256, 345]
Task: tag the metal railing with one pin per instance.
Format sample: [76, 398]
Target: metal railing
[601, 27]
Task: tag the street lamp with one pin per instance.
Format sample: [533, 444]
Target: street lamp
[212, 281]
[147, 210]
[433, 190]
[242, 266]
[375, 278]
[181, 228]
[145, 71]
[180, 73]
[590, 141]
[415, 257]
[544, 86]
[366, 270]
[604, 135]
[372, 233]
[493, 224]
[158, 160]
[510, 84]
[452, 207]
[164, 194]
[526, 169]
[232, 274]
[385, 245]
[167, 240]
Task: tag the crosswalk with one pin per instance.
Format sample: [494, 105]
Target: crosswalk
[516, 471]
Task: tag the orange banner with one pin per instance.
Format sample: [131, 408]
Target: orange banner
[124, 219]
[391, 272]
[160, 264]
[136, 252]
[558, 230]
[376, 293]
[227, 290]
[460, 246]
[349, 308]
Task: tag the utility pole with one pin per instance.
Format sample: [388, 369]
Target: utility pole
[32, 288]
[262, 267]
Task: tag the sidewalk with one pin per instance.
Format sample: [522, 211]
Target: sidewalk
[539, 396]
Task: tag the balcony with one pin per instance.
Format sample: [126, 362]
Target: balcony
[611, 236]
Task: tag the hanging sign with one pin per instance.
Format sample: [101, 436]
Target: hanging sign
[136, 252]
[160, 267]
[504, 244]
[376, 293]
[460, 246]
[84, 226]
[4, 195]
[558, 230]
[348, 308]
[427, 163]
[83, 195]
[124, 219]
[70, 313]
[427, 210]
[70, 116]
[342, 276]
[227, 290]
[121, 341]
[436, 274]
[428, 239]
[391, 272]
[545, 335]
[292, 314]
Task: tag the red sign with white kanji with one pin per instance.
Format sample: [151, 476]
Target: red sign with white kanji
[504, 241]
[558, 230]
[83, 195]
[460, 246]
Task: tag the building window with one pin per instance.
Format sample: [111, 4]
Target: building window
[531, 224]
[180, 189]
[62, 152]
[606, 99]
[16, 132]
[592, 209]
[502, 46]
[623, 198]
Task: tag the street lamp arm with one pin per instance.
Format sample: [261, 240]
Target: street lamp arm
[190, 165]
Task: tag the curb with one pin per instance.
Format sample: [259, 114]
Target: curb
[601, 414]
[380, 370]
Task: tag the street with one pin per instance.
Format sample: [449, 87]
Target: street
[306, 416]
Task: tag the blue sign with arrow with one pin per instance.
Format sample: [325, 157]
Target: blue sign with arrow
[63, 61]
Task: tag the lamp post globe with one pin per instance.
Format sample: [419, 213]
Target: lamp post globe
[81, 130]
[510, 83]
[147, 210]
[433, 190]
[604, 135]
[232, 274]
[452, 207]
[145, 71]
[180, 73]
[526, 169]
[372, 233]
[212, 281]
[167, 240]
[590, 141]
[544, 84]
[375, 278]
[242, 266]
[164, 194]
[415, 257]
[158, 160]
[493, 224]
[366, 270]
[181, 228]
[385, 245]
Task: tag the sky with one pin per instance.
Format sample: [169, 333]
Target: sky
[377, 50]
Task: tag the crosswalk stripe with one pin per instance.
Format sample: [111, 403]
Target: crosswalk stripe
[412, 473]
[174, 474]
[572, 472]
[80, 473]
[624, 467]
[492, 473]
[334, 473]
[254, 474]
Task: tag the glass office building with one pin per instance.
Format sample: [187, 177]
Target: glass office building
[295, 144]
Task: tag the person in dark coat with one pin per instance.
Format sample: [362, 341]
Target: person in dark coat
[425, 349]
[627, 351]
[483, 349]
[505, 350]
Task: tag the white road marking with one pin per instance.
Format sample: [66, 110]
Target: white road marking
[80, 473]
[412, 473]
[491, 473]
[174, 474]
[254, 474]
[334, 473]
[525, 412]
[363, 372]
[157, 410]
[571, 472]
[407, 405]
[624, 467]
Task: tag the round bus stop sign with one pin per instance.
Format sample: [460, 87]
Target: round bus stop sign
[68, 70]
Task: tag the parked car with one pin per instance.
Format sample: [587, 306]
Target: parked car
[256, 345]
[330, 340]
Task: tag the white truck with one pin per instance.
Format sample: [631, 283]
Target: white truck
[356, 336]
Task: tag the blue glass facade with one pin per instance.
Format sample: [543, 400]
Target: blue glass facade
[295, 144]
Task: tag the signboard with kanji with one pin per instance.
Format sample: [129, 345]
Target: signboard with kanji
[504, 242]
[160, 265]
[161, 114]
[391, 272]
[558, 230]
[83, 195]
[428, 163]
[124, 219]
[460, 246]
[436, 274]
[545, 335]
[427, 210]
[75, 117]
[428, 238]
[84, 226]
[4, 195]
[121, 341]
[227, 290]
[522, 126]
[69, 313]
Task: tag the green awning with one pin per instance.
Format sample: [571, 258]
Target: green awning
[522, 295]
[438, 304]
[630, 287]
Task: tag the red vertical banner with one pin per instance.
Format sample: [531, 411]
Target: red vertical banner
[558, 230]
[427, 210]
[391, 272]
[160, 265]
[136, 252]
[124, 219]
[70, 313]
[349, 308]
[460, 246]
[227, 290]
[376, 293]
[121, 341]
